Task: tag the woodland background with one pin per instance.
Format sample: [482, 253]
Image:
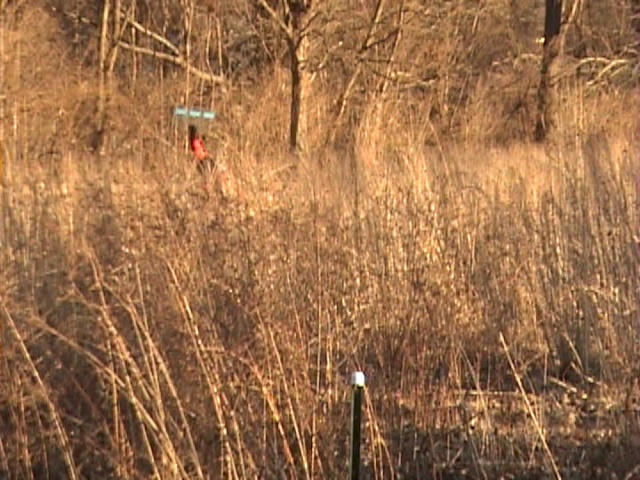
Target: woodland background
[396, 209]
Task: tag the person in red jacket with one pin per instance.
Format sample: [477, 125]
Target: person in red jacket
[196, 144]
[207, 165]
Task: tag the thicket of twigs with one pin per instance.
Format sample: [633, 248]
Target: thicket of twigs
[150, 331]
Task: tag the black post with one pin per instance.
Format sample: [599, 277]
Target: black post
[357, 381]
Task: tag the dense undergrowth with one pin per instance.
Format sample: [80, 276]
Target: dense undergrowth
[487, 286]
[151, 331]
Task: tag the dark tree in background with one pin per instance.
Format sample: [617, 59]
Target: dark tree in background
[552, 19]
[293, 20]
[297, 42]
[546, 120]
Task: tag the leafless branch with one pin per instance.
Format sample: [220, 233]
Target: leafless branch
[277, 19]
[157, 37]
[176, 60]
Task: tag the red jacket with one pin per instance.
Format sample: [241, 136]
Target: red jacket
[198, 149]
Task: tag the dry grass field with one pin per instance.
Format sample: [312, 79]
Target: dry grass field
[150, 331]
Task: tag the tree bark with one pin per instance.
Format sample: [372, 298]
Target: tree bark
[296, 98]
[134, 55]
[97, 143]
[293, 25]
[298, 44]
[546, 121]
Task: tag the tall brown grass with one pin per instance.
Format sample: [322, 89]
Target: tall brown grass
[153, 332]
[488, 287]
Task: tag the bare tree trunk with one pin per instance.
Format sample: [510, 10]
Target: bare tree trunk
[296, 96]
[547, 121]
[296, 99]
[188, 22]
[117, 30]
[298, 43]
[98, 138]
[292, 25]
[219, 45]
[111, 31]
[134, 55]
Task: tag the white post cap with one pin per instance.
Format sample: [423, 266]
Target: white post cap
[358, 379]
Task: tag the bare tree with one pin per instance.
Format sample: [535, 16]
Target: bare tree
[293, 20]
[102, 71]
[551, 48]
[111, 30]
[298, 44]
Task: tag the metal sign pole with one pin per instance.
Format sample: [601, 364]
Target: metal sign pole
[357, 382]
